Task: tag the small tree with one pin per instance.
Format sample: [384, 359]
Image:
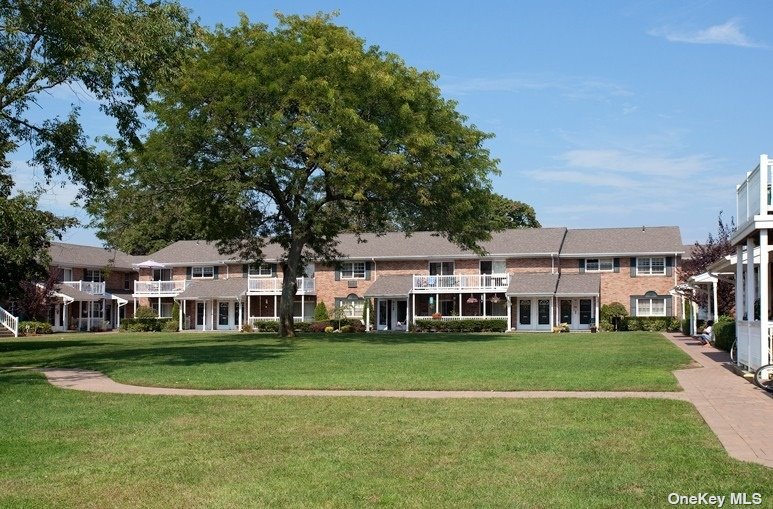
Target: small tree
[176, 310]
[320, 312]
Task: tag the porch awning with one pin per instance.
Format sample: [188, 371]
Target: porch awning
[537, 284]
[578, 285]
[390, 286]
[206, 289]
[149, 264]
[75, 294]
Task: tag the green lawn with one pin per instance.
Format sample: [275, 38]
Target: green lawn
[618, 361]
[62, 448]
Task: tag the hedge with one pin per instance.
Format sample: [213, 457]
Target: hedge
[353, 324]
[651, 323]
[724, 334]
[148, 325]
[31, 327]
[464, 325]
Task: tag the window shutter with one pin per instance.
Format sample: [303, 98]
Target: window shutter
[616, 263]
[633, 267]
[669, 306]
[368, 268]
[214, 271]
[188, 275]
[669, 265]
[582, 265]
[633, 305]
[338, 273]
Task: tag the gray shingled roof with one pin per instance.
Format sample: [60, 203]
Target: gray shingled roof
[688, 251]
[578, 284]
[76, 294]
[542, 283]
[623, 241]
[231, 288]
[390, 286]
[73, 255]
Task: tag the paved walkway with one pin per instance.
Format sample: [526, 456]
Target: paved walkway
[739, 413]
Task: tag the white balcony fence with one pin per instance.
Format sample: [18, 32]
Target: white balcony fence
[90, 287]
[461, 282]
[160, 288]
[254, 319]
[465, 317]
[754, 349]
[10, 322]
[273, 285]
[753, 195]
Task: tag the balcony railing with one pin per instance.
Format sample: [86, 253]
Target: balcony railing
[160, 288]
[90, 287]
[456, 317]
[753, 195]
[273, 285]
[461, 282]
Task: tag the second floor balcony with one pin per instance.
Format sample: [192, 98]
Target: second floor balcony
[159, 288]
[461, 283]
[90, 287]
[753, 195]
[273, 286]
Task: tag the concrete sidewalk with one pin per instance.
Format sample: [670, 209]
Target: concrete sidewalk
[739, 413]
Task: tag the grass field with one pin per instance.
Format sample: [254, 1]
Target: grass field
[62, 448]
[616, 361]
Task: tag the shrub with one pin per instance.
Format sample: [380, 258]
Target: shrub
[145, 324]
[465, 325]
[175, 310]
[608, 313]
[320, 312]
[724, 334]
[33, 327]
[329, 329]
[347, 329]
[144, 312]
[652, 323]
[169, 326]
[266, 326]
[318, 326]
[247, 327]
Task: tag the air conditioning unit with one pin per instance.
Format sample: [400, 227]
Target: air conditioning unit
[352, 283]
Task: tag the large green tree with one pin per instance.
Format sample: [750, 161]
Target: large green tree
[509, 213]
[294, 134]
[113, 50]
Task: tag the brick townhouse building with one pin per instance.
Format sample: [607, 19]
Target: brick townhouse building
[533, 278]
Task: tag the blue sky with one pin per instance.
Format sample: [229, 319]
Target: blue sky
[605, 113]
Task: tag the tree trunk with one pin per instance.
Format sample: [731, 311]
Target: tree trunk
[289, 275]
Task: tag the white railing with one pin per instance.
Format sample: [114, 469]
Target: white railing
[160, 288]
[254, 319]
[273, 285]
[753, 195]
[10, 322]
[90, 287]
[465, 317]
[753, 346]
[461, 282]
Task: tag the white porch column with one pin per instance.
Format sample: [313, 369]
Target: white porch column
[367, 316]
[750, 280]
[249, 300]
[117, 316]
[303, 307]
[740, 302]
[204, 321]
[714, 297]
[764, 295]
[509, 312]
[437, 303]
[180, 323]
[90, 305]
[241, 317]
[461, 306]
[64, 316]
[694, 319]
[552, 312]
[597, 312]
[483, 298]
[276, 315]
[414, 308]
[134, 314]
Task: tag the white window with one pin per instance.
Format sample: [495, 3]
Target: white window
[203, 272]
[651, 307]
[166, 309]
[66, 274]
[351, 307]
[599, 265]
[353, 270]
[441, 268]
[651, 266]
[261, 271]
[93, 275]
[493, 267]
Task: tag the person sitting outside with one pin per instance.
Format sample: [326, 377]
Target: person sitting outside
[708, 334]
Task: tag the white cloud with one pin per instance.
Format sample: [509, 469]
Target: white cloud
[573, 87]
[728, 33]
[619, 161]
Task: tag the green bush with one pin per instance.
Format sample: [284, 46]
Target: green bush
[652, 323]
[318, 326]
[148, 325]
[320, 312]
[266, 326]
[175, 310]
[329, 329]
[608, 312]
[247, 327]
[169, 326]
[32, 327]
[724, 334]
[465, 325]
[347, 329]
[144, 312]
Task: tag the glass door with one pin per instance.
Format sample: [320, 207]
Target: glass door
[199, 314]
[566, 311]
[585, 311]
